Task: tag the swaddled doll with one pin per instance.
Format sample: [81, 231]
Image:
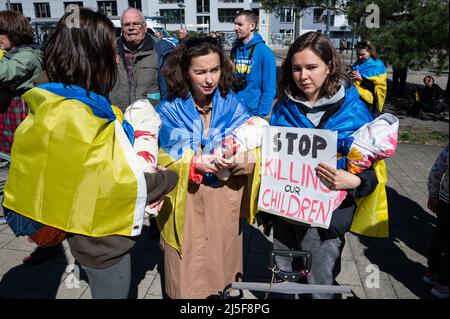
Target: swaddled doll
[146, 124]
[372, 142]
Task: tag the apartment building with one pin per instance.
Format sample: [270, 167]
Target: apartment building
[197, 15]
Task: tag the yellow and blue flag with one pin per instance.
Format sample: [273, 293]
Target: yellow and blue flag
[73, 166]
[371, 217]
[181, 135]
[374, 71]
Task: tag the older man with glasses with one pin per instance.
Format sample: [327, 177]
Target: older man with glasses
[141, 58]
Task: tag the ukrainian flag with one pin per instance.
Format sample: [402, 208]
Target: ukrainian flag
[371, 217]
[375, 72]
[73, 166]
[182, 133]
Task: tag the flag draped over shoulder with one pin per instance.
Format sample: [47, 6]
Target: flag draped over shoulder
[374, 71]
[371, 217]
[350, 117]
[73, 166]
[181, 134]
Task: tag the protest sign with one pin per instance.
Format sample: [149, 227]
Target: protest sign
[290, 186]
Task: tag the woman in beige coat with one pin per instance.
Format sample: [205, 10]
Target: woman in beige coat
[200, 222]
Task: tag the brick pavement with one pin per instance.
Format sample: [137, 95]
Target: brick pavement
[401, 258]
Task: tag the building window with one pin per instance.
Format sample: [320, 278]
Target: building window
[228, 15]
[287, 15]
[135, 4]
[42, 10]
[77, 3]
[324, 19]
[318, 15]
[231, 1]
[202, 19]
[203, 6]
[172, 15]
[205, 21]
[16, 7]
[108, 8]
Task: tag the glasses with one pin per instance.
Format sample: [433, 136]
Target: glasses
[135, 25]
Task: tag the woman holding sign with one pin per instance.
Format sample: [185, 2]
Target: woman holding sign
[200, 222]
[315, 92]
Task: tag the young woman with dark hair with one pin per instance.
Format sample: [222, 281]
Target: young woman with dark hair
[370, 77]
[315, 92]
[89, 60]
[200, 223]
[73, 166]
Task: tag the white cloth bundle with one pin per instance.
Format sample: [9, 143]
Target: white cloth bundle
[245, 138]
[146, 124]
[372, 142]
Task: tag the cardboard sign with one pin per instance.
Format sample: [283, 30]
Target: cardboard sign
[290, 186]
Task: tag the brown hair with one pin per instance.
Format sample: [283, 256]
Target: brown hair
[176, 66]
[14, 25]
[84, 55]
[249, 15]
[322, 47]
[369, 46]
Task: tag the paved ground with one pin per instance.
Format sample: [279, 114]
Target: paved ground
[401, 258]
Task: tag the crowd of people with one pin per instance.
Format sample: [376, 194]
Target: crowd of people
[68, 103]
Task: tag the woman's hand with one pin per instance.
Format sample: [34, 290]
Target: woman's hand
[228, 163]
[337, 179]
[356, 75]
[205, 164]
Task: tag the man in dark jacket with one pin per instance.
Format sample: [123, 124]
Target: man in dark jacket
[429, 99]
[141, 60]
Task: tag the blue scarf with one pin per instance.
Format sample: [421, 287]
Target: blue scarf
[182, 126]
